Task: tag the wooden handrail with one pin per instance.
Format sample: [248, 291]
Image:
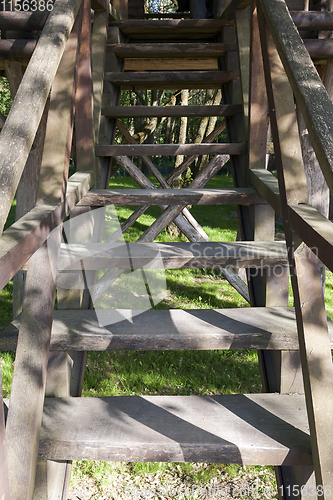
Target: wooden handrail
[22, 122]
[309, 91]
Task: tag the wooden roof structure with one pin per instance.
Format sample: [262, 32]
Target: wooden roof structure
[273, 61]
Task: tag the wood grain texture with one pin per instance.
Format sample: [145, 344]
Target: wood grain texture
[171, 64]
[265, 429]
[32, 94]
[313, 20]
[310, 93]
[306, 281]
[227, 196]
[11, 49]
[174, 255]
[4, 483]
[170, 149]
[26, 21]
[173, 111]
[202, 329]
[28, 387]
[176, 29]
[171, 79]
[84, 126]
[171, 49]
[22, 239]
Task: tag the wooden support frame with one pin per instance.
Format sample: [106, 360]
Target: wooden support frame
[310, 309]
[4, 482]
[32, 94]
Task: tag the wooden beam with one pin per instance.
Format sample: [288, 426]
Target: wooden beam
[32, 94]
[313, 335]
[227, 196]
[171, 79]
[313, 20]
[173, 255]
[174, 111]
[25, 21]
[4, 483]
[84, 126]
[310, 93]
[28, 387]
[258, 429]
[319, 48]
[24, 237]
[171, 49]
[172, 27]
[202, 329]
[51, 476]
[11, 49]
[171, 64]
[170, 149]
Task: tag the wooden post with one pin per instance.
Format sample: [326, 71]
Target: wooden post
[32, 94]
[4, 484]
[315, 351]
[25, 198]
[51, 476]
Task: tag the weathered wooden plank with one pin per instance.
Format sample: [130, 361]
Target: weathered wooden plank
[229, 7]
[319, 48]
[84, 127]
[26, 21]
[173, 255]
[171, 64]
[173, 111]
[268, 429]
[28, 387]
[171, 79]
[202, 329]
[4, 484]
[170, 49]
[50, 476]
[258, 106]
[32, 94]
[172, 28]
[22, 239]
[310, 93]
[19, 48]
[98, 49]
[313, 334]
[307, 222]
[170, 149]
[313, 20]
[227, 196]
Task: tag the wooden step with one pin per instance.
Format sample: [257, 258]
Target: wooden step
[172, 29]
[96, 256]
[171, 149]
[174, 111]
[178, 50]
[256, 429]
[175, 329]
[226, 196]
[171, 79]
[171, 64]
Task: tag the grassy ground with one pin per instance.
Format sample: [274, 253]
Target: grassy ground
[170, 372]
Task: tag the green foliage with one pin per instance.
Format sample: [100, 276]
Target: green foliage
[5, 98]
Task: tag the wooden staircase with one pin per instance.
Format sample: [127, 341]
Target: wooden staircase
[290, 424]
